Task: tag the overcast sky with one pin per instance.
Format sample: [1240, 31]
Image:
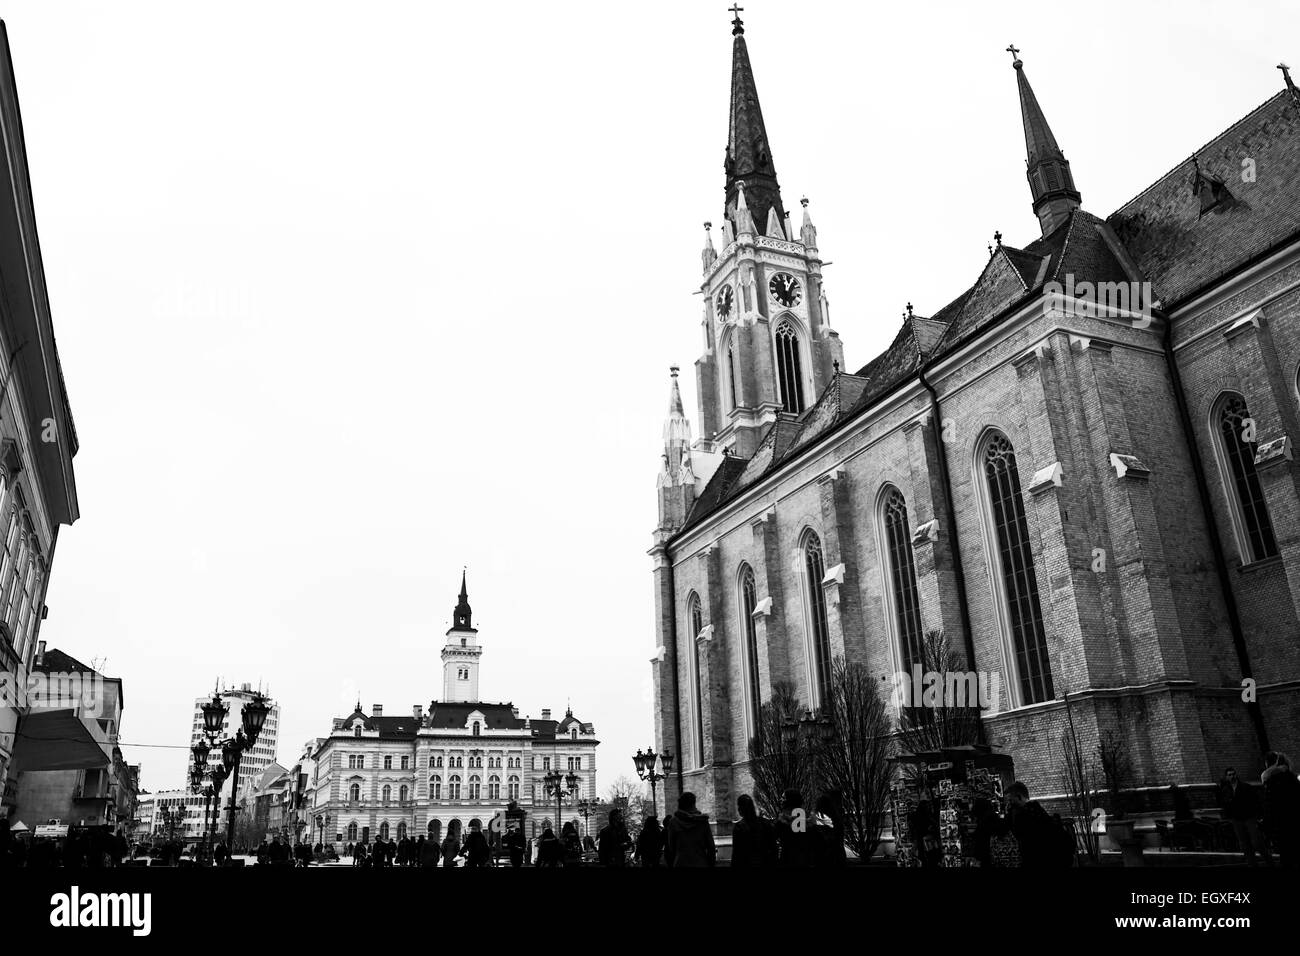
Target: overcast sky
[350, 296]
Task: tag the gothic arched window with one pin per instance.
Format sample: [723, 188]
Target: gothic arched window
[695, 614]
[789, 368]
[819, 632]
[900, 574]
[1014, 559]
[732, 390]
[1237, 441]
[748, 605]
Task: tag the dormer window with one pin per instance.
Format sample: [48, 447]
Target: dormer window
[476, 728]
[356, 730]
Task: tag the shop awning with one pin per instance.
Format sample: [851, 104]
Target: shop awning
[57, 740]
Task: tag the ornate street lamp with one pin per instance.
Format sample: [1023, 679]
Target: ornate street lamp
[647, 765]
[560, 786]
[253, 716]
[587, 808]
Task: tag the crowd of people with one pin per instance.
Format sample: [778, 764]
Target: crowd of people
[1265, 819]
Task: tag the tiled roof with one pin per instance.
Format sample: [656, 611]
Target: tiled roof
[57, 661]
[1178, 249]
[455, 715]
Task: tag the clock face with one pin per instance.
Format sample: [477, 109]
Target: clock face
[724, 302]
[785, 289]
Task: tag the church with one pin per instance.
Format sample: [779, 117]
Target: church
[1081, 470]
[462, 761]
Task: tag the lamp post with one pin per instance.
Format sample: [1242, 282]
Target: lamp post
[253, 715]
[647, 765]
[560, 786]
[586, 808]
[202, 783]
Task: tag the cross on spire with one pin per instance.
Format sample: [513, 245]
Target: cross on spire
[738, 25]
[1015, 54]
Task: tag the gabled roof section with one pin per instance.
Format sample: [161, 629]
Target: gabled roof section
[1179, 250]
[56, 661]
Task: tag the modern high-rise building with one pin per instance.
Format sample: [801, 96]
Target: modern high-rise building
[255, 761]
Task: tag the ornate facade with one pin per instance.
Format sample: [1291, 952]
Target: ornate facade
[1080, 470]
[438, 771]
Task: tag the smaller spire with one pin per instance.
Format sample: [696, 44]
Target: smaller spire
[807, 232]
[774, 224]
[462, 615]
[744, 221]
[709, 255]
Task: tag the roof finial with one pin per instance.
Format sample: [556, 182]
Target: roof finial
[1015, 58]
[1290, 84]
[737, 25]
[997, 237]
[909, 310]
[836, 363]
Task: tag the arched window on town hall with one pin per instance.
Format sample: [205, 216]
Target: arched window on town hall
[819, 632]
[900, 579]
[512, 792]
[354, 793]
[387, 793]
[453, 787]
[494, 787]
[789, 368]
[403, 793]
[695, 616]
[748, 604]
[1237, 443]
[435, 787]
[383, 830]
[352, 832]
[1013, 567]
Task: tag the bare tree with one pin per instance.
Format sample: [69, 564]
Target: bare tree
[775, 763]
[853, 763]
[950, 719]
[1079, 779]
[1112, 753]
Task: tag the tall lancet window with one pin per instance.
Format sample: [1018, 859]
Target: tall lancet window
[1015, 563]
[789, 368]
[695, 614]
[732, 391]
[900, 571]
[1245, 493]
[819, 632]
[753, 689]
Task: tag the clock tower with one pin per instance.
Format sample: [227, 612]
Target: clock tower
[769, 348]
[461, 653]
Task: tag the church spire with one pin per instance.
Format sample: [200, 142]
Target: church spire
[1050, 181]
[462, 614]
[749, 157]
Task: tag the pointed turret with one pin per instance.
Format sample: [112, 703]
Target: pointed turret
[461, 616]
[742, 217]
[709, 255]
[1050, 181]
[808, 232]
[677, 477]
[749, 157]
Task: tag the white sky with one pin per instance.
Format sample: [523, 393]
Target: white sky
[351, 295]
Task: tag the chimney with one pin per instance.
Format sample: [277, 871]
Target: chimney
[418, 712]
[40, 653]
[377, 710]
[546, 713]
[515, 712]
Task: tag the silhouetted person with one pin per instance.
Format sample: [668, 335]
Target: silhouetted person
[753, 838]
[690, 839]
[650, 843]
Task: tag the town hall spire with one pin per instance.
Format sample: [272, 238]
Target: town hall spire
[749, 157]
[1050, 181]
